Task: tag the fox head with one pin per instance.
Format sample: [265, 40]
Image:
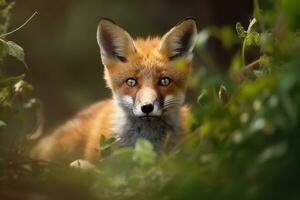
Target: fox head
[147, 76]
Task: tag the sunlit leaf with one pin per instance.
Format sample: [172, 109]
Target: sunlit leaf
[119, 180]
[2, 123]
[106, 143]
[3, 48]
[240, 30]
[258, 73]
[11, 81]
[202, 95]
[223, 94]
[274, 151]
[181, 64]
[253, 38]
[143, 152]
[16, 51]
[202, 37]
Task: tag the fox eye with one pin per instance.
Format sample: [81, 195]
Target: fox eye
[131, 82]
[165, 81]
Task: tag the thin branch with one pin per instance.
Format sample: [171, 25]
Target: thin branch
[252, 64]
[252, 22]
[20, 27]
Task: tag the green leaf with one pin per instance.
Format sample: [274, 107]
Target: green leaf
[118, 180]
[3, 48]
[258, 73]
[202, 37]
[181, 64]
[264, 60]
[2, 123]
[240, 30]
[202, 96]
[223, 94]
[143, 152]
[22, 86]
[274, 151]
[253, 38]
[11, 81]
[106, 143]
[16, 51]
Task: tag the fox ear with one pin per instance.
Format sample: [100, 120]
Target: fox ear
[114, 42]
[179, 40]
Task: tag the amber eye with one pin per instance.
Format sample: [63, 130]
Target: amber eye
[131, 82]
[165, 81]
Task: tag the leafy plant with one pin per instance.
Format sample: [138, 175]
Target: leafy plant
[13, 89]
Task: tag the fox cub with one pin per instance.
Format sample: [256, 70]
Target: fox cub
[147, 78]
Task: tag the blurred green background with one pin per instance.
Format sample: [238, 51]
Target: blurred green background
[63, 56]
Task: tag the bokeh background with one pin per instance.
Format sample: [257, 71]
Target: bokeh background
[61, 48]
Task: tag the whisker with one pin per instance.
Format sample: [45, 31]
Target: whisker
[172, 102]
[172, 105]
[178, 101]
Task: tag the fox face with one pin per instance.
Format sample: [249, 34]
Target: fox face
[147, 76]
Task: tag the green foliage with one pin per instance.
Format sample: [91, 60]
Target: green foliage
[240, 30]
[10, 86]
[106, 143]
[13, 90]
[5, 15]
[15, 50]
[244, 142]
[144, 152]
[11, 81]
[2, 123]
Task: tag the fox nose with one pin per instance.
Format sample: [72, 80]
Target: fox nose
[148, 108]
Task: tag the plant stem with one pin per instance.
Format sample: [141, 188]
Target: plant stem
[243, 53]
[252, 64]
[252, 22]
[20, 27]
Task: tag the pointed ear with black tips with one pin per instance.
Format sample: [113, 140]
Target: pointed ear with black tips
[179, 41]
[114, 42]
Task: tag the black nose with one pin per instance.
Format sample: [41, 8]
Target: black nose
[148, 108]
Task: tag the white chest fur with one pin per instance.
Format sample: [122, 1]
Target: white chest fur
[157, 130]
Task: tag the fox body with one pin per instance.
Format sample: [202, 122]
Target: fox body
[147, 78]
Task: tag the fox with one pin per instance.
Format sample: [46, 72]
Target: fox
[148, 80]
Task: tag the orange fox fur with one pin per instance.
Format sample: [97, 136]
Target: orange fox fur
[147, 78]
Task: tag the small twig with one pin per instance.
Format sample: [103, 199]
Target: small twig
[252, 22]
[20, 27]
[40, 120]
[252, 64]
[243, 52]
